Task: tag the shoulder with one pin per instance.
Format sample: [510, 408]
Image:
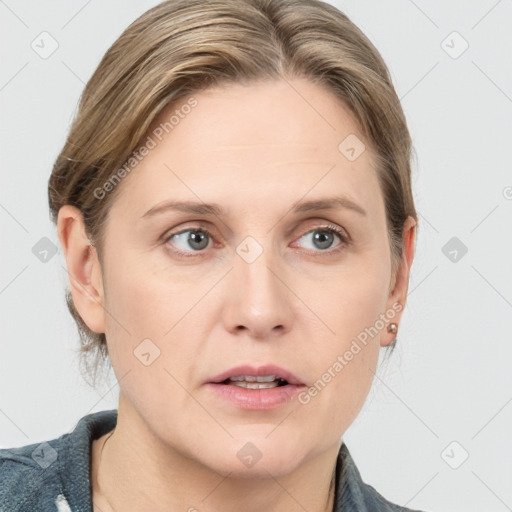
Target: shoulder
[37, 476]
[355, 494]
[26, 471]
[377, 502]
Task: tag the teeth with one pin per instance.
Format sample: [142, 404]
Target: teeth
[252, 382]
[267, 378]
[254, 385]
[250, 378]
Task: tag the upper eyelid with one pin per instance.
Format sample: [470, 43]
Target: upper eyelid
[201, 225]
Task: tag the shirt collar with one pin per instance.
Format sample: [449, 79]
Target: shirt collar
[75, 463]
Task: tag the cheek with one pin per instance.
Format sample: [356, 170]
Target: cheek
[351, 305]
[344, 374]
[146, 297]
[348, 298]
[152, 305]
[148, 335]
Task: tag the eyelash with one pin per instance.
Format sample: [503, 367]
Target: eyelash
[329, 228]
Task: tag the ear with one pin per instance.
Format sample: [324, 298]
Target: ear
[400, 284]
[84, 270]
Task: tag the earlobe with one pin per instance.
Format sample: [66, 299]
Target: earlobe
[398, 294]
[83, 267]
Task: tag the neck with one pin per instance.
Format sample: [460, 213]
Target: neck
[149, 476]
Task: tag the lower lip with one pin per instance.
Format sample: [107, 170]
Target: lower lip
[256, 399]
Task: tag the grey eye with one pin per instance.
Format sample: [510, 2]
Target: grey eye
[191, 238]
[322, 238]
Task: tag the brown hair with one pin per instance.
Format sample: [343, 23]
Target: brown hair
[181, 47]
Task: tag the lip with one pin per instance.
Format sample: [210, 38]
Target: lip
[256, 399]
[259, 371]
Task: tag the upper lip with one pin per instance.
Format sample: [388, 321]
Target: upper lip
[257, 371]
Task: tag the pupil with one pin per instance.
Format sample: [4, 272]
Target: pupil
[323, 239]
[197, 237]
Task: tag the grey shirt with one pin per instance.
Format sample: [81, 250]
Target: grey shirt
[54, 476]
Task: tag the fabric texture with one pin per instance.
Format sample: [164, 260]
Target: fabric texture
[54, 476]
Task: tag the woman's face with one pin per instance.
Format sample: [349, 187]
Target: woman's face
[193, 293]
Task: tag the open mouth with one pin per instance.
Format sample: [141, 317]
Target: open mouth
[252, 382]
[252, 387]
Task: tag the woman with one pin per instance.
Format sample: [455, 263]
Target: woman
[270, 134]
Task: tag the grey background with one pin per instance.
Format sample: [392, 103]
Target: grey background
[449, 379]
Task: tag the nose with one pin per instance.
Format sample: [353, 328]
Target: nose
[259, 300]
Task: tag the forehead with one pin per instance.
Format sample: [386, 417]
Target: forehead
[254, 144]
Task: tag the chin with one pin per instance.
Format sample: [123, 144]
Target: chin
[258, 456]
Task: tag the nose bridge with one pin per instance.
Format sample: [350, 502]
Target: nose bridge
[261, 301]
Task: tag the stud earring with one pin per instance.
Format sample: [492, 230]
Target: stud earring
[392, 327]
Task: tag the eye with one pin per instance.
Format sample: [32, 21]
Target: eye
[322, 238]
[195, 239]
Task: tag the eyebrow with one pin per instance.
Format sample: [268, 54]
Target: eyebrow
[328, 203]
